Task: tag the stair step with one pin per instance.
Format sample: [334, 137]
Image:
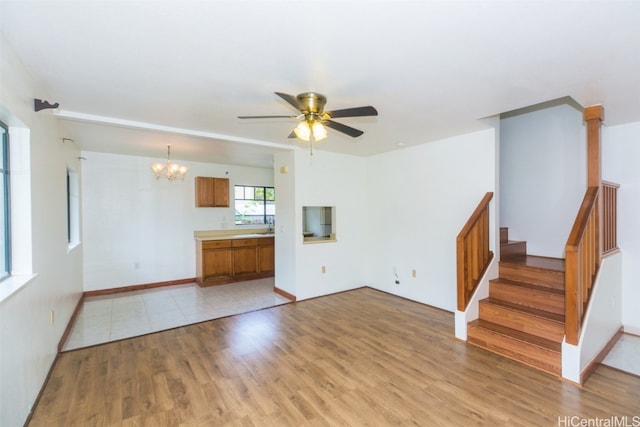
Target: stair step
[517, 345]
[541, 271]
[512, 248]
[528, 295]
[504, 234]
[540, 323]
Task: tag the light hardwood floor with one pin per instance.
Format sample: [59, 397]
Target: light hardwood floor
[356, 358]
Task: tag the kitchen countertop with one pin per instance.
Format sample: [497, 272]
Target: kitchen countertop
[236, 236]
[231, 234]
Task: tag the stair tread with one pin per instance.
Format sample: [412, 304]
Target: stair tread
[535, 261]
[525, 309]
[517, 335]
[511, 242]
[530, 286]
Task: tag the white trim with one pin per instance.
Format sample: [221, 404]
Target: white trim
[72, 246]
[13, 284]
[83, 117]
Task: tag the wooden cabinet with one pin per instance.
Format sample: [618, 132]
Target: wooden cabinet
[266, 256]
[214, 261]
[212, 192]
[234, 260]
[245, 260]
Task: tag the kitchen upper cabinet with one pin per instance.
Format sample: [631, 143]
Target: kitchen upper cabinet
[212, 192]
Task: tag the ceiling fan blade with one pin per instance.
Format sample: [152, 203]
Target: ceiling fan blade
[290, 99]
[342, 128]
[266, 117]
[353, 112]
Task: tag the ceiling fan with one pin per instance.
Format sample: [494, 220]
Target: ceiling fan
[311, 107]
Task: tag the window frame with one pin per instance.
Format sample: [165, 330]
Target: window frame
[73, 208]
[5, 171]
[265, 217]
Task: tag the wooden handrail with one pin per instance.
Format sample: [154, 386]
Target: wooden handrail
[609, 217]
[583, 255]
[472, 251]
[594, 231]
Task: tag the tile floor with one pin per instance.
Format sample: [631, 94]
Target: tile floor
[625, 355]
[112, 317]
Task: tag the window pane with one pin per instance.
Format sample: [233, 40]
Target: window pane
[249, 212]
[239, 192]
[3, 139]
[248, 193]
[271, 208]
[4, 268]
[270, 193]
[5, 244]
[259, 193]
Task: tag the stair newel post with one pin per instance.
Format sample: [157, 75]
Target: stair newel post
[593, 116]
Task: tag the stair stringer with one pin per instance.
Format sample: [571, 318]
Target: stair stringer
[601, 323]
[462, 318]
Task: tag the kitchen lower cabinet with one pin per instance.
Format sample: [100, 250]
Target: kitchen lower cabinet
[245, 259]
[234, 260]
[266, 257]
[214, 262]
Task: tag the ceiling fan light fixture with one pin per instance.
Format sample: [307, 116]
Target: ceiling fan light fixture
[305, 127]
[319, 131]
[316, 120]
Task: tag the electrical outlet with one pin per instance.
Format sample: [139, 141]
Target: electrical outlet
[413, 273]
[53, 318]
[324, 269]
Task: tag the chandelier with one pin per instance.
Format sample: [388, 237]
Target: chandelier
[169, 170]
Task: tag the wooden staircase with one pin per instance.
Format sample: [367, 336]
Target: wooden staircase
[523, 317]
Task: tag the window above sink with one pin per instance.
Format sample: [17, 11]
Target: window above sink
[254, 205]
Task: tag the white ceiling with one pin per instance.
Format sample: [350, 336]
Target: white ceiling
[134, 76]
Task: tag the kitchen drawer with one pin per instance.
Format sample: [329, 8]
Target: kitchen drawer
[265, 241]
[239, 243]
[214, 244]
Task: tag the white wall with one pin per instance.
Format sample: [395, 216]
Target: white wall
[542, 176]
[330, 179]
[602, 320]
[418, 199]
[620, 164]
[324, 179]
[138, 229]
[28, 338]
[285, 231]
